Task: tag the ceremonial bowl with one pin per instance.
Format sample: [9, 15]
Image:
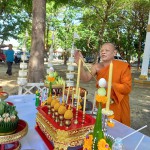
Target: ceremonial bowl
[21, 131]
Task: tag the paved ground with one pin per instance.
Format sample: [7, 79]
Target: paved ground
[139, 97]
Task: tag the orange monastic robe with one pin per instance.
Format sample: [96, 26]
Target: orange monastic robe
[121, 87]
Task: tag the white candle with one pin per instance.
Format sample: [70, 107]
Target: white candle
[68, 94]
[78, 100]
[78, 77]
[109, 86]
[84, 106]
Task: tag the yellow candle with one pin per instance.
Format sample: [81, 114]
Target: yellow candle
[78, 77]
[78, 100]
[84, 106]
[68, 94]
[109, 85]
[63, 92]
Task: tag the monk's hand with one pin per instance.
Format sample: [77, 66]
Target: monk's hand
[78, 55]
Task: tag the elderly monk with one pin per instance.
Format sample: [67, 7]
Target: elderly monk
[121, 80]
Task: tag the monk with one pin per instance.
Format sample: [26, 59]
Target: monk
[121, 80]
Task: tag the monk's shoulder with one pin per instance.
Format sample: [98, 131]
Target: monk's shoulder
[120, 63]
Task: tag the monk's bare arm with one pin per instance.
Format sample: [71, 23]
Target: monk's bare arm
[87, 75]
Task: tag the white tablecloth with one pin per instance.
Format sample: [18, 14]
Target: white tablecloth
[25, 105]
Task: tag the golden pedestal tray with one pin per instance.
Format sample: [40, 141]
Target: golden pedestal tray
[11, 142]
[62, 137]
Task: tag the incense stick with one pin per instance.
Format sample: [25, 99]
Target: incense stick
[139, 142]
[88, 68]
[134, 132]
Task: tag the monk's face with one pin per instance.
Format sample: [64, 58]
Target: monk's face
[107, 52]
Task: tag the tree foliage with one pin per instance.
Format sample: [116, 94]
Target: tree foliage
[122, 22]
[14, 19]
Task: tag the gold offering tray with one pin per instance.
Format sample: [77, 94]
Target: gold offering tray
[54, 85]
[63, 137]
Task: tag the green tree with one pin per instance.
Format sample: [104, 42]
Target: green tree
[13, 18]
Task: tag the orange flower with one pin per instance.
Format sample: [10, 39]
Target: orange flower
[102, 145]
[50, 79]
[102, 99]
[110, 124]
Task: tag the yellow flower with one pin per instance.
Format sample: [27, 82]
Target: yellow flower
[101, 99]
[88, 141]
[103, 145]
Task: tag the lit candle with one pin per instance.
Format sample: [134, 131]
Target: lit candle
[63, 92]
[78, 100]
[109, 85]
[84, 106]
[68, 94]
[78, 77]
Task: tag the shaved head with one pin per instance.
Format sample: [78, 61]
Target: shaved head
[111, 45]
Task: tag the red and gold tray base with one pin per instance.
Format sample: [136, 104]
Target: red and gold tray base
[11, 142]
[62, 137]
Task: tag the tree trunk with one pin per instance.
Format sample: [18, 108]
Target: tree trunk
[36, 63]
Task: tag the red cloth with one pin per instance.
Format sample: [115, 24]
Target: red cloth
[121, 87]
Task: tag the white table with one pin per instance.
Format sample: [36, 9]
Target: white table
[25, 105]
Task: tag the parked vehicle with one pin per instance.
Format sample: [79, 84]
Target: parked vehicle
[119, 58]
[2, 56]
[18, 56]
[135, 64]
[89, 59]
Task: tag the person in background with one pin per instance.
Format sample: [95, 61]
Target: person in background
[121, 80]
[9, 59]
